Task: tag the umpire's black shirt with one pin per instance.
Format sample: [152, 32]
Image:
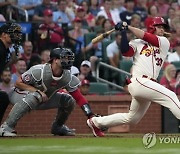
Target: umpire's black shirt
[4, 52]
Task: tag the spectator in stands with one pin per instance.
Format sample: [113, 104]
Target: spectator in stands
[61, 16]
[28, 49]
[175, 4]
[96, 49]
[152, 12]
[70, 9]
[45, 56]
[119, 4]
[84, 87]
[127, 15]
[108, 13]
[21, 67]
[175, 35]
[81, 13]
[114, 56]
[175, 56]
[106, 26]
[113, 51]
[168, 79]
[177, 85]
[176, 20]
[99, 20]
[85, 71]
[77, 35]
[39, 10]
[162, 7]
[170, 16]
[6, 84]
[4, 7]
[94, 7]
[74, 71]
[35, 60]
[89, 17]
[141, 9]
[51, 34]
[116, 4]
[2, 19]
[29, 5]
[136, 21]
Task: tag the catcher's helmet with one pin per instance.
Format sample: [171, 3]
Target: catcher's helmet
[65, 55]
[14, 30]
[155, 22]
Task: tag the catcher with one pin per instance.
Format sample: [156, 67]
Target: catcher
[37, 90]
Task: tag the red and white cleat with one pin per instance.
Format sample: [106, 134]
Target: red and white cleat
[96, 131]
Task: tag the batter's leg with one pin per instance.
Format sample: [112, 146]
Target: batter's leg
[161, 95]
[137, 110]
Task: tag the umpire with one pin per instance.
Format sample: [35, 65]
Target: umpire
[10, 34]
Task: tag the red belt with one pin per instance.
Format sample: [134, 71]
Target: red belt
[128, 81]
[145, 76]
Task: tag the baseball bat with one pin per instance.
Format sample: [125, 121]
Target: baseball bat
[102, 36]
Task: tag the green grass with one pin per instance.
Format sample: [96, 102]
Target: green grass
[80, 145]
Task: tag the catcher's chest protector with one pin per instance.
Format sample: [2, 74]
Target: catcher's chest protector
[45, 80]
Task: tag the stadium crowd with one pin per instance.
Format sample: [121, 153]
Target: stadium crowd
[72, 23]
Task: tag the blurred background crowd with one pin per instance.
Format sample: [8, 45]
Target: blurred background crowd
[74, 23]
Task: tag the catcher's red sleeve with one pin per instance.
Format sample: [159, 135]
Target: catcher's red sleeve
[80, 99]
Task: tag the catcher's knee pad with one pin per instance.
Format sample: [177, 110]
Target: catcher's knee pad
[67, 102]
[33, 99]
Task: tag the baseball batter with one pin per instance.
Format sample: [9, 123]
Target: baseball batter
[37, 89]
[149, 52]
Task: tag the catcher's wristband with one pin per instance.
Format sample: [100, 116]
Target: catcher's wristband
[87, 110]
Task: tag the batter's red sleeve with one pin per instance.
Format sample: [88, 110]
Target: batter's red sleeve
[80, 99]
[151, 38]
[129, 53]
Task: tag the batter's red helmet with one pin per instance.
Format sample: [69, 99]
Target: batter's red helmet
[155, 22]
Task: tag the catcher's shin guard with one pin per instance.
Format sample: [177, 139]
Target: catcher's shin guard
[65, 109]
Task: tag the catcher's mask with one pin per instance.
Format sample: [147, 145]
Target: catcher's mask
[14, 30]
[65, 55]
[155, 22]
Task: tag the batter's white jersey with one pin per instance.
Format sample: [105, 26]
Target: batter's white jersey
[148, 59]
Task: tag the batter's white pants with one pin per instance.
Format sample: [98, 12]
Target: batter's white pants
[143, 92]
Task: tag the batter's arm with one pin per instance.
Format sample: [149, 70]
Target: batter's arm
[126, 50]
[148, 37]
[137, 32]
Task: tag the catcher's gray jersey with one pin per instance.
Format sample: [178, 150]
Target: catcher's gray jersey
[41, 77]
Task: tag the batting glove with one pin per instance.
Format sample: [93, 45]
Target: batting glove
[121, 26]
